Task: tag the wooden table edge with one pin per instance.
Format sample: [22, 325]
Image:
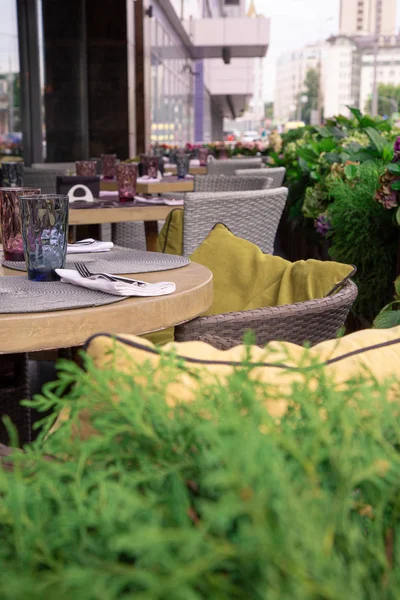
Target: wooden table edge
[84, 322]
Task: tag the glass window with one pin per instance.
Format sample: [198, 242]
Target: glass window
[10, 117]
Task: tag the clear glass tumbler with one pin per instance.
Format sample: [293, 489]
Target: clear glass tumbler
[10, 220]
[12, 174]
[182, 165]
[44, 221]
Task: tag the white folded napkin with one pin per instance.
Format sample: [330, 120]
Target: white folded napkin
[117, 288]
[108, 193]
[146, 179]
[89, 245]
[167, 201]
[194, 162]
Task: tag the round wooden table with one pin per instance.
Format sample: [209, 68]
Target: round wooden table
[33, 332]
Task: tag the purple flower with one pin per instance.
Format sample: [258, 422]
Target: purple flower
[322, 224]
[397, 145]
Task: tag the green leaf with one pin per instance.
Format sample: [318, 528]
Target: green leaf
[332, 157]
[303, 164]
[378, 141]
[356, 112]
[323, 131]
[387, 319]
[327, 144]
[394, 168]
[398, 216]
[397, 286]
[351, 171]
[396, 185]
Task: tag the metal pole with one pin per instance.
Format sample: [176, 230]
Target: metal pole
[319, 100]
[376, 49]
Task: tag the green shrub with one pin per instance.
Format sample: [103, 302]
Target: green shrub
[363, 235]
[211, 500]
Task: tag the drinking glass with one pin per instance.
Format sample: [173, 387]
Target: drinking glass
[10, 220]
[150, 165]
[86, 168]
[203, 156]
[12, 174]
[126, 181]
[109, 162]
[182, 165]
[44, 221]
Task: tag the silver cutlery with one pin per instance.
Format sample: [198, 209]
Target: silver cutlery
[85, 273]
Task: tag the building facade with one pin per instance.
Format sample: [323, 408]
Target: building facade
[291, 70]
[347, 74]
[117, 80]
[363, 17]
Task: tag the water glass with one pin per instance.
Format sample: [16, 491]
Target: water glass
[86, 168]
[126, 181]
[182, 165]
[109, 163]
[10, 220]
[12, 174]
[203, 156]
[44, 221]
[150, 165]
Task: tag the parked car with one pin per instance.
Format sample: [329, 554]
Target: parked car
[231, 135]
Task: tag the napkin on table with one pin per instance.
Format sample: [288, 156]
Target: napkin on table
[117, 288]
[167, 201]
[146, 179]
[95, 246]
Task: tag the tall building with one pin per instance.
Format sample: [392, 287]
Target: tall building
[363, 17]
[291, 70]
[347, 74]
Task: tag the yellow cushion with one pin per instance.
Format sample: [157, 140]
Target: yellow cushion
[376, 351]
[245, 278]
[170, 237]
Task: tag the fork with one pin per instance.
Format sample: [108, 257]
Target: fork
[85, 273]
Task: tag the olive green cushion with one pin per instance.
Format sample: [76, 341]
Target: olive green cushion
[245, 278]
[170, 238]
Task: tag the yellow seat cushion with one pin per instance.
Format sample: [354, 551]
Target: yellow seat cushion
[170, 238]
[279, 364]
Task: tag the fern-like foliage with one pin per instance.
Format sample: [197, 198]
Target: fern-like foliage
[363, 235]
[215, 499]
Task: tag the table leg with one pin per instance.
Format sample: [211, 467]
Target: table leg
[151, 232]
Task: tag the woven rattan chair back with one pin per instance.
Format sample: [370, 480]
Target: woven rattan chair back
[229, 166]
[43, 179]
[221, 183]
[276, 174]
[252, 215]
[313, 321]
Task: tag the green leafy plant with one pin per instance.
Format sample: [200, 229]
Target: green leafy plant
[215, 499]
[362, 234]
[389, 316]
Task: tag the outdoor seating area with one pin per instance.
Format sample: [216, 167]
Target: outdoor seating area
[199, 301]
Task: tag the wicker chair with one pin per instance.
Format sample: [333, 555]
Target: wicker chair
[229, 166]
[313, 321]
[45, 179]
[220, 183]
[14, 387]
[276, 174]
[253, 215]
[129, 235]
[64, 167]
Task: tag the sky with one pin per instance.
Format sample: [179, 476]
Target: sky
[295, 23]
